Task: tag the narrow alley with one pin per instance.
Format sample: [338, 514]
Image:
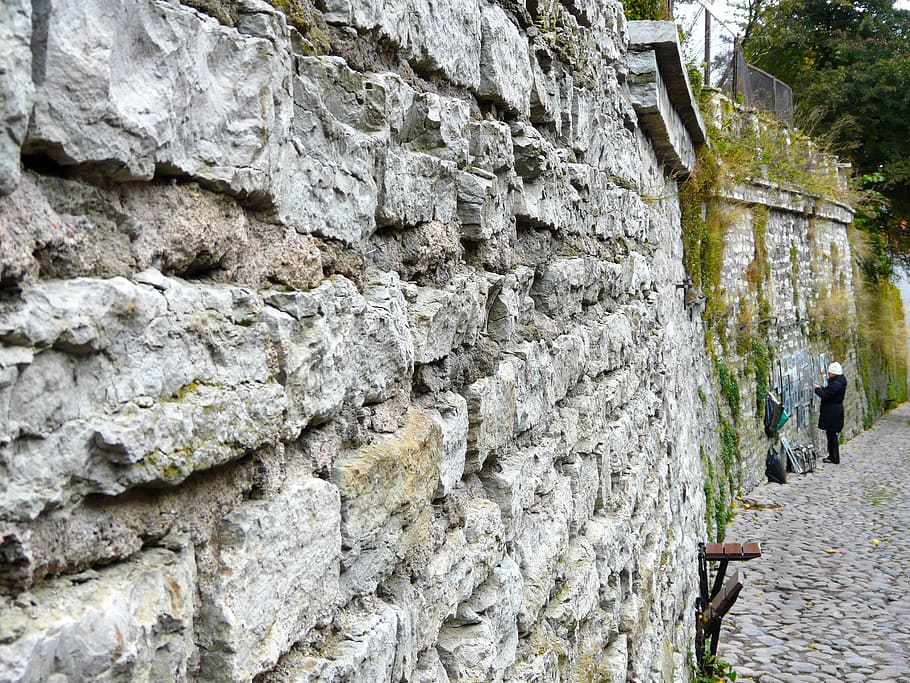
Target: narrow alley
[830, 598]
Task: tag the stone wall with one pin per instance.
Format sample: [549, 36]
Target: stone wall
[343, 345]
[788, 283]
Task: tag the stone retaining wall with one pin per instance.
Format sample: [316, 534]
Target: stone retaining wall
[343, 345]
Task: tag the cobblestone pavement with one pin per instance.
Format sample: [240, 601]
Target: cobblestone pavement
[829, 600]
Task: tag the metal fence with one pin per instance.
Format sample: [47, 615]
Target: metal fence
[713, 42]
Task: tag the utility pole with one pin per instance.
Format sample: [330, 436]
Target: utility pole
[707, 48]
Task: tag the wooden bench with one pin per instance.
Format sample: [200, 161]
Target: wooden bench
[711, 606]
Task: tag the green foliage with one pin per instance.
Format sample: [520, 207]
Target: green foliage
[881, 346]
[645, 9]
[714, 670]
[848, 63]
[729, 387]
[760, 358]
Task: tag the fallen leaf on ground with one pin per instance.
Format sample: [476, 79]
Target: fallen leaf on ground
[831, 551]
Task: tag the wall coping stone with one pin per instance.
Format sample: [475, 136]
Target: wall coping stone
[662, 37]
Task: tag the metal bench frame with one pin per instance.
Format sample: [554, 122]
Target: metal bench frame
[711, 607]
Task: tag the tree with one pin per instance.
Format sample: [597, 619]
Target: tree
[848, 62]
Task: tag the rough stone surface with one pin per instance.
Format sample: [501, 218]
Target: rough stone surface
[358, 327]
[267, 587]
[129, 622]
[148, 102]
[15, 88]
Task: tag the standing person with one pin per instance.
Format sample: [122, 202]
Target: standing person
[831, 416]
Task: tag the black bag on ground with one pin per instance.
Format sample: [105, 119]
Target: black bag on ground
[774, 467]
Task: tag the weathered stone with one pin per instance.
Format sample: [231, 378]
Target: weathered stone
[490, 146]
[566, 285]
[532, 152]
[268, 586]
[548, 201]
[482, 205]
[16, 88]
[417, 188]
[129, 622]
[479, 643]
[511, 304]
[443, 320]
[505, 68]
[337, 347]
[578, 597]
[450, 411]
[124, 387]
[386, 489]
[540, 547]
[331, 171]
[491, 415]
[436, 125]
[363, 650]
[148, 100]
[442, 37]
[28, 227]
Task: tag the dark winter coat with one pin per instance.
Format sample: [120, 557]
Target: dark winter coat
[831, 417]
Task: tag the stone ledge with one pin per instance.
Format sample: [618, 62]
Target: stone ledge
[792, 200]
[661, 94]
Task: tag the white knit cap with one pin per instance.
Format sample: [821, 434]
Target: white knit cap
[835, 369]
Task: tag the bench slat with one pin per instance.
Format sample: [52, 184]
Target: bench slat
[725, 598]
[732, 551]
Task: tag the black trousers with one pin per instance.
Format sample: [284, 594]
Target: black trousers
[833, 446]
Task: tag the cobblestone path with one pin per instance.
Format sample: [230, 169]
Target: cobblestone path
[829, 600]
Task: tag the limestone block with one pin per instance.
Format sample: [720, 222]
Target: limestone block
[480, 642]
[430, 668]
[130, 384]
[583, 472]
[437, 36]
[617, 659]
[540, 548]
[483, 205]
[430, 593]
[450, 411]
[505, 67]
[274, 576]
[549, 201]
[338, 347]
[16, 88]
[491, 415]
[607, 23]
[658, 115]
[331, 173]
[147, 99]
[132, 621]
[436, 125]
[386, 489]
[564, 286]
[511, 305]
[546, 92]
[545, 374]
[490, 146]
[416, 188]
[610, 345]
[167, 442]
[469, 555]
[442, 320]
[533, 154]
[515, 482]
[579, 594]
[363, 649]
